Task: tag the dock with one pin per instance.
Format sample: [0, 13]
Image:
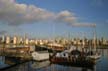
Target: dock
[12, 62]
[18, 52]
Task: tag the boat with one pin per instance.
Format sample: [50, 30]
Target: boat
[56, 47]
[43, 48]
[40, 56]
[93, 55]
[76, 58]
[73, 63]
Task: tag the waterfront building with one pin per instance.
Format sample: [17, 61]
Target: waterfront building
[32, 41]
[104, 42]
[41, 42]
[26, 41]
[0, 39]
[36, 42]
[7, 40]
[74, 42]
[21, 41]
[14, 40]
[3, 39]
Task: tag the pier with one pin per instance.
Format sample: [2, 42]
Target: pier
[18, 52]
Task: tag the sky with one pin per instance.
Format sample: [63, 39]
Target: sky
[54, 18]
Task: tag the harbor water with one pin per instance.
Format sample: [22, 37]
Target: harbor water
[101, 65]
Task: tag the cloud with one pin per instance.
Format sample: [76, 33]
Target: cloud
[83, 24]
[66, 16]
[16, 14]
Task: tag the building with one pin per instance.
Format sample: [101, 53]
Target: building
[26, 41]
[7, 40]
[3, 39]
[14, 40]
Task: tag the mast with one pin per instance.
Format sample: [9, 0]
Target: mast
[94, 39]
[88, 25]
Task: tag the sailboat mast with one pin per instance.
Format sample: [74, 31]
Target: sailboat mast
[94, 39]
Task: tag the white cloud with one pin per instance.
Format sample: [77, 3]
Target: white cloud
[15, 14]
[83, 25]
[66, 16]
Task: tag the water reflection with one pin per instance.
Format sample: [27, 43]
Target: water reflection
[102, 65]
[2, 62]
[37, 65]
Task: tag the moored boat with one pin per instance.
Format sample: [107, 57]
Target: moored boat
[74, 57]
[94, 56]
[40, 53]
[40, 56]
[73, 62]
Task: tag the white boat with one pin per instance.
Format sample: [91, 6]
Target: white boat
[94, 56]
[40, 56]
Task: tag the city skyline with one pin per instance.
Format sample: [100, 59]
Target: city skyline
[51, 18]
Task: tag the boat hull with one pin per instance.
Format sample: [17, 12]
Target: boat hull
[95, 57]
[73, 62]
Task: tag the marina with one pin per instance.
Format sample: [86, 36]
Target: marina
[53, 35]
[47, 66]
[42, 55]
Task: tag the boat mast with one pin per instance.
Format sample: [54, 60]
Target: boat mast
[88, 25]
[94, 39]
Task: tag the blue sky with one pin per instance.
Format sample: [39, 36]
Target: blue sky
[84, 11]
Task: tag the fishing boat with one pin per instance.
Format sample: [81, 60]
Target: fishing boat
[75, 57]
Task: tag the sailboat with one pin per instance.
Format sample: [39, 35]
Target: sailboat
[94, 54]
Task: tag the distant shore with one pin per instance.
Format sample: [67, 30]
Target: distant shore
[20, 45]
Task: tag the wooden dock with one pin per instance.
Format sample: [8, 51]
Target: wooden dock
[20, 52]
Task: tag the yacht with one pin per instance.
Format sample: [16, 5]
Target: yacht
[40, 54]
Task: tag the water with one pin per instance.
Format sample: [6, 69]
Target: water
[102, 65]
